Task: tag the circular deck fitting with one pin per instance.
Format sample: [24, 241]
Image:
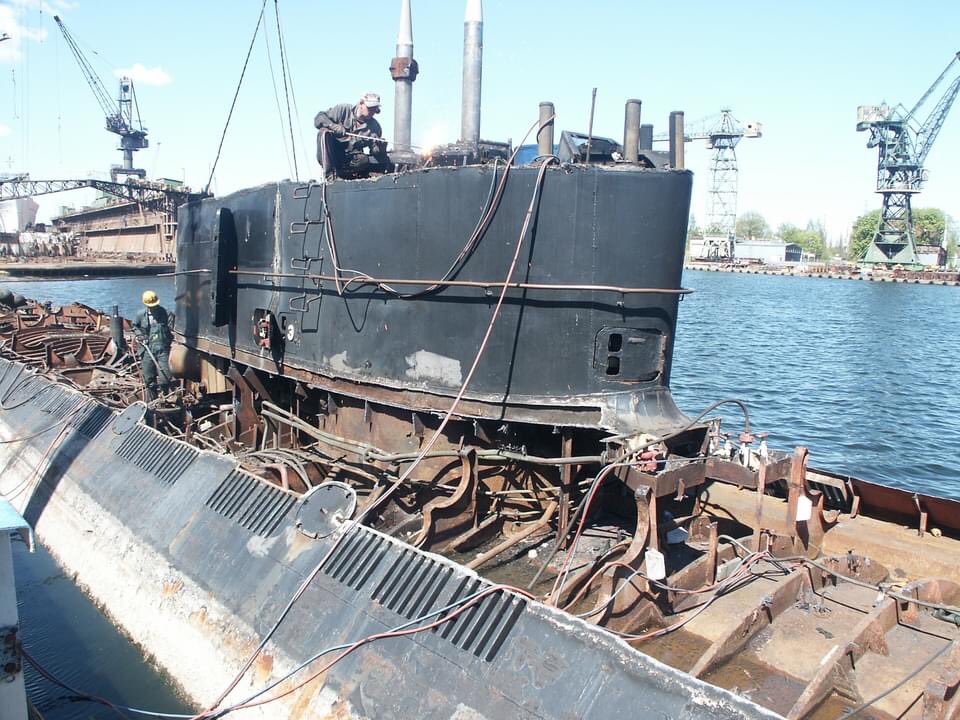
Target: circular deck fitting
[325, 508]
[129, 418]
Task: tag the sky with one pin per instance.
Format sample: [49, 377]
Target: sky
[799, 68]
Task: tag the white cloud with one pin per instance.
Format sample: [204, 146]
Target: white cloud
[44, 7]
[16, 32]
[144, 75]
[5, 130]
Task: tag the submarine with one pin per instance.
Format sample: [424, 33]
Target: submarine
[424, 461]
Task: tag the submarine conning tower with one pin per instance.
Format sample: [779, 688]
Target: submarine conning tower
[387, 289]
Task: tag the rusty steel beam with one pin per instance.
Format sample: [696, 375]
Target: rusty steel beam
[741, 630]
[666, 484]
[566, 490]
[836, 668]
[454, 515]
[941, 699]
[528, 530]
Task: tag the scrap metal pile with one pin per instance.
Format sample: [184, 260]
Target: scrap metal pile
[74, 344]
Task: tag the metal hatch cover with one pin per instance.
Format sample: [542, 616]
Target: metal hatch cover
[129, 418]
[325, 508]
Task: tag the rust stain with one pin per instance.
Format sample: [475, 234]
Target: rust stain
[299, 543]
[305, 696]
[199, 616]
[171, 587]
[340, 711]
[263, 668]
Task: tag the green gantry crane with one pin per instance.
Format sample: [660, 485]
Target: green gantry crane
[904, 144]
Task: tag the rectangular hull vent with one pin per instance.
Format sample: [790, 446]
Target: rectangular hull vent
[414, 586]
[251, 502]
[86, 416]
[61, 404]
[355, 559]
[92, 420]
[156, 454]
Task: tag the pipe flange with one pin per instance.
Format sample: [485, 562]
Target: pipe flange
[325, 508]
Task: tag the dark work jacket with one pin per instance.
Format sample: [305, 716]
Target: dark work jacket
[345, 115]
[156, 331]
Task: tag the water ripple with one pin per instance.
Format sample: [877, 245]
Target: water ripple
[863, 374]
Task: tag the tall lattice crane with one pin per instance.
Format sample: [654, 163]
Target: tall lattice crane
[904, 144]
[722, 132]
[119, 114]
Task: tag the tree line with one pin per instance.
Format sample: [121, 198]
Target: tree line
[930, 226]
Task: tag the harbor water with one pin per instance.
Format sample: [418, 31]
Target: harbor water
[863, 374]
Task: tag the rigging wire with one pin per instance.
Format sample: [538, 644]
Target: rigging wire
[293, 96]
[372, 638]
[286, 90]
[458, 606]
[908, 678]
[276, 97]
[236, 94]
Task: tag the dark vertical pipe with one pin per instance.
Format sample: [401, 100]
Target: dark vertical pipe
[545, 135]
[676, 139]
[631, 132]
[646, 137]
[593, 104]
[404, 71]
[116, 329]
[472, 72]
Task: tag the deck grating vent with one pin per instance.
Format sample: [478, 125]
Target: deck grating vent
[61, 404]
[92, 420]
[356, 558]
[251, 502]
[413, 586]
[162, 457]
[23, 389]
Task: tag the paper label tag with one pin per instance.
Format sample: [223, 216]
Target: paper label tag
[656, 567]
[804, 508]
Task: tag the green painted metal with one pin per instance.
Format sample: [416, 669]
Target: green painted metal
[903, 148]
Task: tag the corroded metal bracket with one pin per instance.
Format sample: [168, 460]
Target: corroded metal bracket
[452, 516]
[941, 699]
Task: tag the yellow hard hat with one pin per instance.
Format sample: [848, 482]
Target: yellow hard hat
[150, 298]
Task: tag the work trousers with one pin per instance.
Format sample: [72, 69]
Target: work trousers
[156, 378]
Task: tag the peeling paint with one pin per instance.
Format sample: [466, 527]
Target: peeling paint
[339, 363]
[425, 365]
[466, 713]
[259, 546]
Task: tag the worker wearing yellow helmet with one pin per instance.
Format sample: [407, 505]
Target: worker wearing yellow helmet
[153, 328]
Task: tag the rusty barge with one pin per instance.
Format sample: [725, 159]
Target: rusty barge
[424, 462]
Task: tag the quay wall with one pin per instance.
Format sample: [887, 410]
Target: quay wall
[196, 560]
[919, 278]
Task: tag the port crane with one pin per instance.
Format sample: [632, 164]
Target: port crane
[904, 143]
[119, 114]
[722, 134]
